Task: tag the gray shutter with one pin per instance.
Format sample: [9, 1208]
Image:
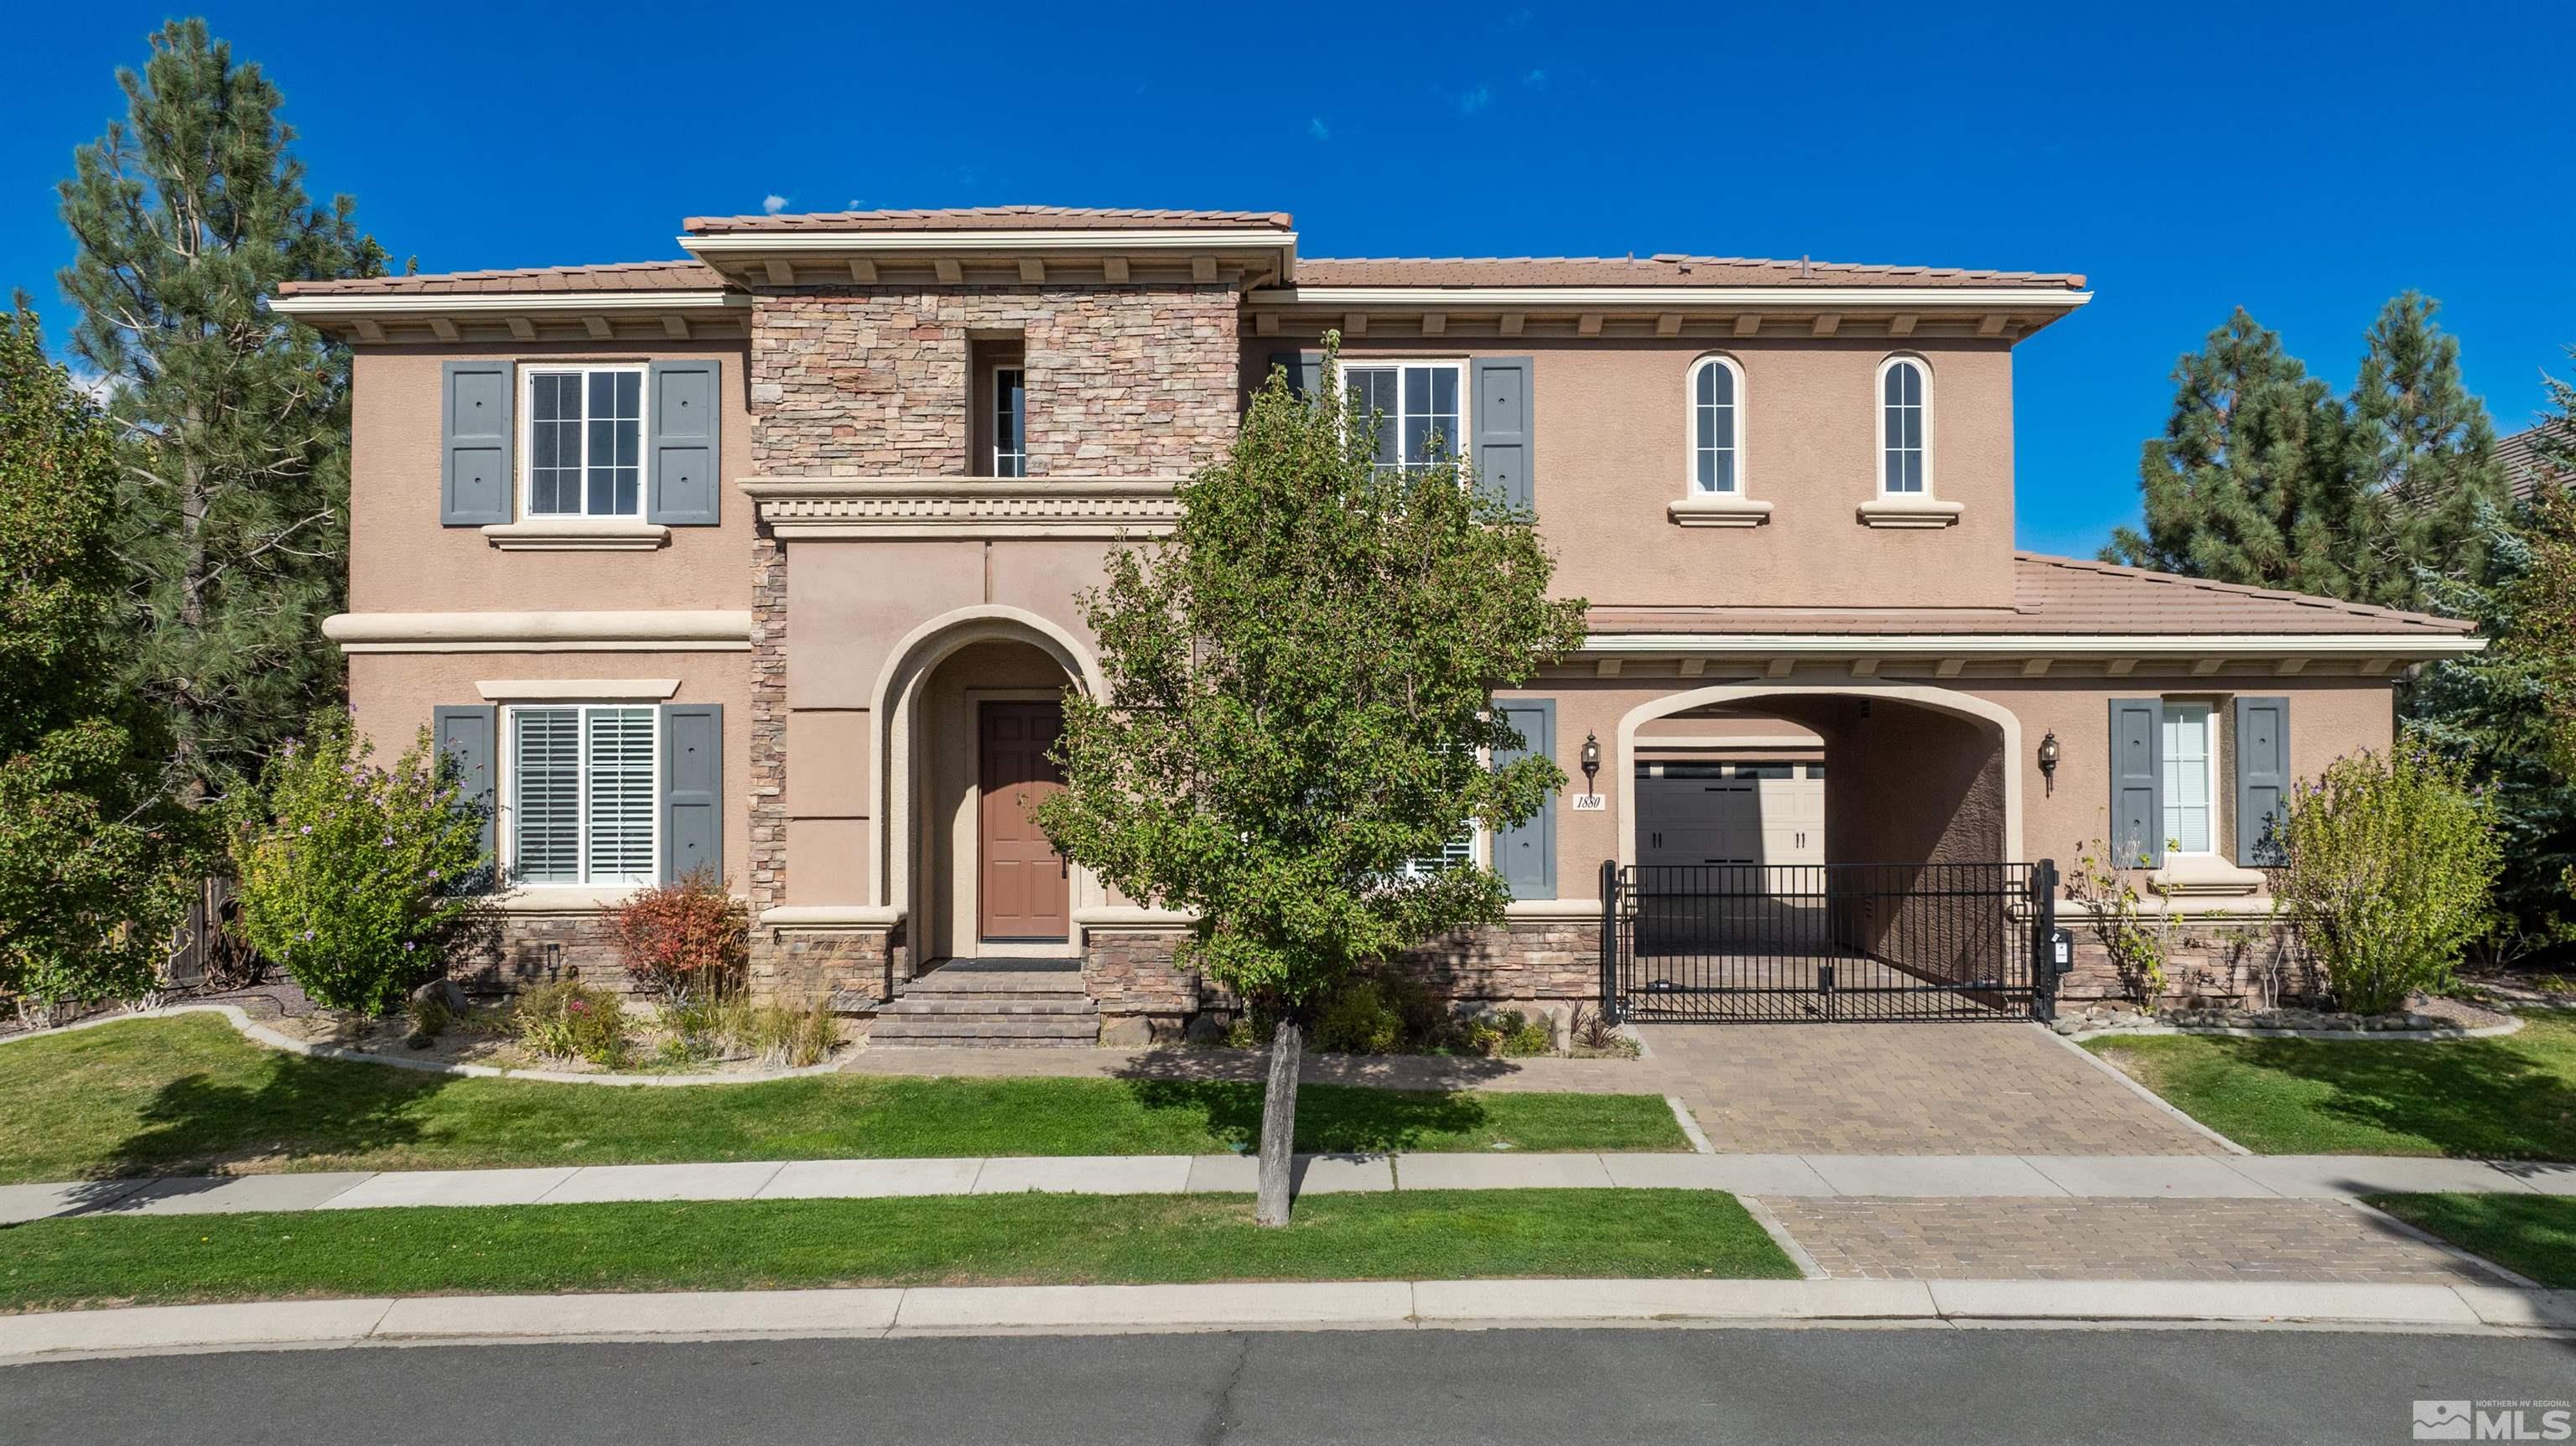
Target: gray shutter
[1525, 853]
[2262, 778]
[474, 443]
[1501, 422]
[467, 736]
[2137, 783]
[683, 408]
[1305, 371]
[692, 787]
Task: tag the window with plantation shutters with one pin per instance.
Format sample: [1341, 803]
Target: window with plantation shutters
[583, 794]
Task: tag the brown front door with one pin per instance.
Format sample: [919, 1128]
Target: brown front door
[1023, 893]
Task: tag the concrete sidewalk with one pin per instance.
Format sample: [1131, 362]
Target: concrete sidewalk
[1378, 1305]
[2100, 1177]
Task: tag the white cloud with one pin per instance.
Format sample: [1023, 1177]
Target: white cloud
[1535, 80]
[1318, 129]
[855, 203]
[773, 203]
[1475, 100]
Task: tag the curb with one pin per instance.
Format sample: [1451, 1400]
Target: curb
[1376, 1305]
[2213, 1031]
[259, 1033]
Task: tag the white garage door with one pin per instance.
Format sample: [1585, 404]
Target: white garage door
[1731, 813]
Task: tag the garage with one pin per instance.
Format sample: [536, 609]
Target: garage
[1759, 812]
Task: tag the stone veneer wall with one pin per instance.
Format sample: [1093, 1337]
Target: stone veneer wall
[856, 381]
[854, 969]
[1143, 996]
[534, 949]
[2217, 960]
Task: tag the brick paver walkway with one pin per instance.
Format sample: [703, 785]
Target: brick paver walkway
[1878, 1238]
[1905, 1089]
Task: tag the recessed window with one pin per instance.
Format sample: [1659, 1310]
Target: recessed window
[1717, 427]
[585, 444]
[2191, 778]
[1010, 422]
[582, 793]
[1905, 428]
[1420, 423]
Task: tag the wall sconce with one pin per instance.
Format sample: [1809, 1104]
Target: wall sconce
[2048, 755]
[1591, 760]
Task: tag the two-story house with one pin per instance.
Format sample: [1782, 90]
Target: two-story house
[766, 560]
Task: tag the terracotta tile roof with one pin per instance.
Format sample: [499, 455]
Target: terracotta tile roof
[1666, 270]
[2523, 464]
[534, 280]
[994, 218]
[2063, 595]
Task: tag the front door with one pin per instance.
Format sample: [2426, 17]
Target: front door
[1022, 894]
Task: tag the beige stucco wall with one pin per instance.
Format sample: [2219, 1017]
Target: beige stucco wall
[1612, 449]
[945, 763]
[391, 696]
[402, 560]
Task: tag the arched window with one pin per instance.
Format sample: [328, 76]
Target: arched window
[1717, 427]
[1905, 428]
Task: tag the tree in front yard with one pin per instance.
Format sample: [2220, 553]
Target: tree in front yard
[1299, 708]
[2388, 866]
[92, 862]
[234, 508]
[361, 882]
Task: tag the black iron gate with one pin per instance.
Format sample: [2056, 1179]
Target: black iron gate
[1787, 943]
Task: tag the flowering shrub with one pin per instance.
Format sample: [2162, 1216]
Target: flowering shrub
[570, 1020]
[686, 939]
[2110, 903]
[2390, 868]
[358, 880]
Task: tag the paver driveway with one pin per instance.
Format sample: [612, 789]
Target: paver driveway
[1905, 1089]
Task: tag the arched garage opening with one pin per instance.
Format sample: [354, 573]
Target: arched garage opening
[1821, 852]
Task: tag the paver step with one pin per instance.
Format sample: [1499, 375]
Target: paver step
[918, 1008]
[956, 1030]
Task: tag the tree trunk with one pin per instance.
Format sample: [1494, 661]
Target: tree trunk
[1279, 1122]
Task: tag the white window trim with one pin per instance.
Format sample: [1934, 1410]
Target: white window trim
[1460, 445]
[1691, 490]
[993, 419]
[505, 825]
[2209, 763]
[1878, 426]
[527, 468]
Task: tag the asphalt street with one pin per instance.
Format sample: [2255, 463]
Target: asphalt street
[1555, 1386]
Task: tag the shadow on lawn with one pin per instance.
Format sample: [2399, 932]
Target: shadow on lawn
[1331, 1119]
[2470, 1098]
[298, 1109]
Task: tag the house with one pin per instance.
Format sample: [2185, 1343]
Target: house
[2527, 457]
[765, 560]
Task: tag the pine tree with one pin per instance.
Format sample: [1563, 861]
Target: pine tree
[233, 510]
[2421, 458]
[91, 854]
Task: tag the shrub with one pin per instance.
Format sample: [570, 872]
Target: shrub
[782, 1034]
[429, 1017]
[1509, 1035]
[685, 939]
[358, 880]
[1360, 1020]
[2389, 864]
[570, 1020]
[2110, 904]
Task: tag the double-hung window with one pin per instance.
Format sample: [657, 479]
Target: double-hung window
[1010, 422]
[2191, 778]
[1417, 408]
[1717, 428]
[583, 793]
[585, 442]
[1905, 428]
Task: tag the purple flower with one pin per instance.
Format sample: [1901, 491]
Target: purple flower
[307, 934]
[408, 946]
[388, 843]
[308, 828]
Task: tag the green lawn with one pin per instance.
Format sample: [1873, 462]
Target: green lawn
[186, 1094]
[974, 1240]
[2532, 1234]
[2512, 1097]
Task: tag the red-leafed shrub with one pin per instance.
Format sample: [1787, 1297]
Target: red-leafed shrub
[685, 939]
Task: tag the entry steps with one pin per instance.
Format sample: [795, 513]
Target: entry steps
[995, 1003]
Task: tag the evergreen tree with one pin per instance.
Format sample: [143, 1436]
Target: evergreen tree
[92, 858]
[2421, 458]
[233, 510]
[1299, 691]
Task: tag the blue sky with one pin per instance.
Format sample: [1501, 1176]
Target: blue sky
[2305, 163]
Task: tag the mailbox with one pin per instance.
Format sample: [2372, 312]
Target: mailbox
[2061, 950]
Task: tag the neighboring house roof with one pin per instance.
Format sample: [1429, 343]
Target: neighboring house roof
[2063, 596]
[1658, 271]
[994, 218]
[632, 276]
[2523, 464]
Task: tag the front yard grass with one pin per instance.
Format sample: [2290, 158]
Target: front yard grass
[163, 1096]
[974, 1240]
[2532, 1234]
[2507, 1098]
